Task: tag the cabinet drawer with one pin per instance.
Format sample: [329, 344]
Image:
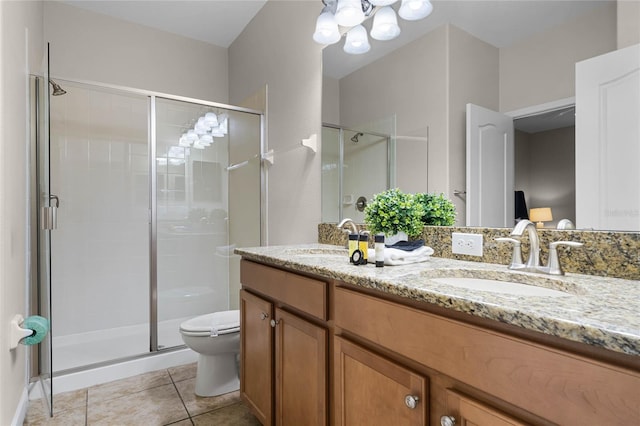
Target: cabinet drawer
[306, 294]
[559, 386]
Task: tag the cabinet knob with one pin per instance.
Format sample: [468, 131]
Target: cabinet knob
[447, 421]
[411, 401]
[263, 316]
[274, 322]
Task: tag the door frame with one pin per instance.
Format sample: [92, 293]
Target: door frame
[542, 108]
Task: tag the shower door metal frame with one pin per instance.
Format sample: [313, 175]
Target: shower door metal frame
[153, 287]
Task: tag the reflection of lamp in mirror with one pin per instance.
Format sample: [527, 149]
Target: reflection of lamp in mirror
[540, 215]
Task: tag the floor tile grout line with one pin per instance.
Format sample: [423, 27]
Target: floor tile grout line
[86, 407]
[180, 396]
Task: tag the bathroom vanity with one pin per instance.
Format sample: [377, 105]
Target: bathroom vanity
[327, 342]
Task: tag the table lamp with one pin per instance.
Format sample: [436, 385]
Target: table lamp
[540, 215]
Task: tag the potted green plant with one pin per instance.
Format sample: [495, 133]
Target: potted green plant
[438, 210]
[392, 212]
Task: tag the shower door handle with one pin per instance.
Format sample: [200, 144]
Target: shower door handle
[49, 214]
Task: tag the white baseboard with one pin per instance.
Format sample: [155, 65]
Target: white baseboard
[21, 409]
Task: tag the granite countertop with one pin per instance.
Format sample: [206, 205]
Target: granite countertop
[598, 311]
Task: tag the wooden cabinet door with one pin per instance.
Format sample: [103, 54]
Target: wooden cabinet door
[301, 371]
[256, 356]
[469, 412]
[371, 390]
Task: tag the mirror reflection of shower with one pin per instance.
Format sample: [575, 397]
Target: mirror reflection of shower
[57, 90]
[355, 165]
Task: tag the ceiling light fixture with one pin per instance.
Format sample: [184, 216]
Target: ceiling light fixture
[346, 16]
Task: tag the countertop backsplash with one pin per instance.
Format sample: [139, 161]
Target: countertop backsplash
[605, 253]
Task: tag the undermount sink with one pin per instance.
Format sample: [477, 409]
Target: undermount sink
[496, 286]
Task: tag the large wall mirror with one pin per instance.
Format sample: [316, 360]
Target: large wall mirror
[508, 56]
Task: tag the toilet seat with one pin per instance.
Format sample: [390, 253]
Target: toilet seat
[212, 325]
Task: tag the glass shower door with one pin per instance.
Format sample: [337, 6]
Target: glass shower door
[99, 252]
[192, 211]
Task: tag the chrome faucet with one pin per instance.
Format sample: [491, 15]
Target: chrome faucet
[533, 263]
[350, 223]
[534, 244]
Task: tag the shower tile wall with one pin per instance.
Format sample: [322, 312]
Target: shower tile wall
[99, 170]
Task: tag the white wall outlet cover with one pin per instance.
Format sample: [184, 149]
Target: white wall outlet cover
[469, 244]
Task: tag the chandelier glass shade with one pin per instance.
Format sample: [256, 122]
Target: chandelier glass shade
[327, 31]
[357, 41]
[349, 13]
[412, 10]
[385, 24]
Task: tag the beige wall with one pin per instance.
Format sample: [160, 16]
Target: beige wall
[330, 100]
[276, 50]
[94, 47]
[545, 171]
[628, 14]
[410, 84]
[542, 68]
[21, 47]
[473, 78]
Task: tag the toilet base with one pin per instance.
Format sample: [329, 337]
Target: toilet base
[217, 374]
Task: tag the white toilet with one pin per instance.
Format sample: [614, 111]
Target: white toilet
[216, 339]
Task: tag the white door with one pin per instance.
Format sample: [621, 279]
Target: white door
[608, 141]
[490, 169]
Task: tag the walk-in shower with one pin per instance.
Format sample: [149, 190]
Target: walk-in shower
[145, 225]
[355, 165]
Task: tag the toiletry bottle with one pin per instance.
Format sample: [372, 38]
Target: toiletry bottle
[379, 240]
[364, 246]
[353, 245]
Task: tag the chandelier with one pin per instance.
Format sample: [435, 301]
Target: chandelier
[350, 14]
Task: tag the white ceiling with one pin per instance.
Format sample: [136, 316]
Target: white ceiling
[498, 22]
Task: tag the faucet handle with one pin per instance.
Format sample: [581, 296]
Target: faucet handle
[516, 257]
[555, 244]
[554, 267]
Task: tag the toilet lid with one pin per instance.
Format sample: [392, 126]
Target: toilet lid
[224, 322]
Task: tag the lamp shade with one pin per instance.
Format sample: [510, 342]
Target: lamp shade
[412, 10]
[349, 13]
[357, 41]
[385, 24]
[539, 215]
[326, 29]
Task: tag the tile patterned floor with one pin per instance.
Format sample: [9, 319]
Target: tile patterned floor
[164, 397]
